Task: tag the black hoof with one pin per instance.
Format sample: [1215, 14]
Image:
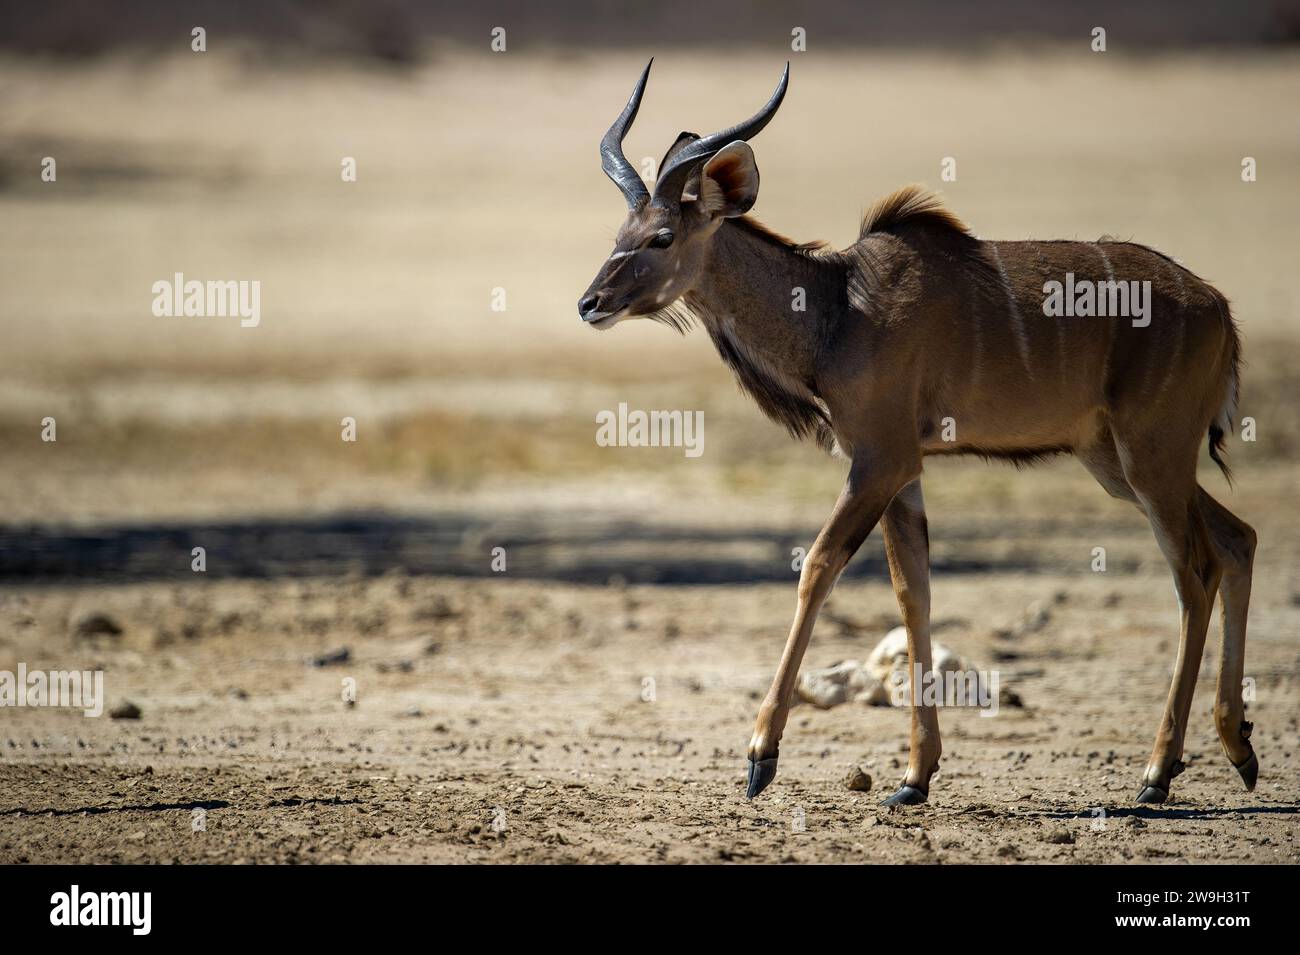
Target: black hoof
[760, 774]
[1153, 794]
[1249, 772]
[906, 796]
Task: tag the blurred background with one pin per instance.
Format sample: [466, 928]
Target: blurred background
[478, 181]
[477, 170]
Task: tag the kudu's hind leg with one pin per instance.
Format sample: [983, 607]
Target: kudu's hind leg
[1234, 542]
[1165, 486]
[907, 547]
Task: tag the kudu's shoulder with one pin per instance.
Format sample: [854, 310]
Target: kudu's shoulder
[900, 232]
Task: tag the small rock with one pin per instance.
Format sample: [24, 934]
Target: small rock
[1060, 836]
[1008, 697]
[126, 710]
[857, 781]
[333, 658]
[1036, 617]
[95, 624]
[439, 608]
[1008, 851]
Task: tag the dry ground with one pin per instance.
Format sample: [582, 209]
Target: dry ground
[478, 701]
[518, 696]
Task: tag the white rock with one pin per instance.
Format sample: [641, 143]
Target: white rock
[890, 656]
[838, 684]
[871, 682]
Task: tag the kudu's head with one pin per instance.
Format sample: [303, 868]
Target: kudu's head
[662, 247]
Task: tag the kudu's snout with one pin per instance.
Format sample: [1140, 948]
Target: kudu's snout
[588, 305]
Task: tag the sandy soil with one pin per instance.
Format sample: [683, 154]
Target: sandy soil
[521, 703]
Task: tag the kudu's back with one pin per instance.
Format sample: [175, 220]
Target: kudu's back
[1031, 347]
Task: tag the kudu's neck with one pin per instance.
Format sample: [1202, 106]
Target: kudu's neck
[771, 309]
[767, 299]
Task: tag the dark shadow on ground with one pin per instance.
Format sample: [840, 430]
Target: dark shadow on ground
[100, 810]
[561, 547]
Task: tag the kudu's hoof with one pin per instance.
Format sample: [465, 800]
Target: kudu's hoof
[1153, 793]
[1249, 772]
[906, 796]
[760, 774]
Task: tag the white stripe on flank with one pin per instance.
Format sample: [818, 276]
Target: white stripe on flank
[1017, 320]
[1105, 260]
[1178, 323]
[1110, 339]
[1060, 325]
[1178, 274]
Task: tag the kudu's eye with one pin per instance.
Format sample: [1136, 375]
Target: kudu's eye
[662, 240]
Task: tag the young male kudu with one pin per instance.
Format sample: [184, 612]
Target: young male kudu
[919, 321]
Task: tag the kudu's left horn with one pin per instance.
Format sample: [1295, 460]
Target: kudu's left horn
[612, 159]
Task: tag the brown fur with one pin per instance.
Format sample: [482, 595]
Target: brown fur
[910, 204]
[871, 271]
[757, 229]
[908, 232]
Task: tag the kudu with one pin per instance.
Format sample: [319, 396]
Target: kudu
[917, 322]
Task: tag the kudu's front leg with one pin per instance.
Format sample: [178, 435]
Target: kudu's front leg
[907, 547]
[859, 507]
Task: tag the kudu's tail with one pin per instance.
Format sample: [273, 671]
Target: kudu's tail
[1226, 418]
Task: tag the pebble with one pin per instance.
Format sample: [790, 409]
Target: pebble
[857, 780]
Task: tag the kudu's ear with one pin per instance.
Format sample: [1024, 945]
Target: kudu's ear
[729, 185]
[691, 190]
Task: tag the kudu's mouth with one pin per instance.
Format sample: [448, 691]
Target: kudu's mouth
[603, 320]
[598, 311]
